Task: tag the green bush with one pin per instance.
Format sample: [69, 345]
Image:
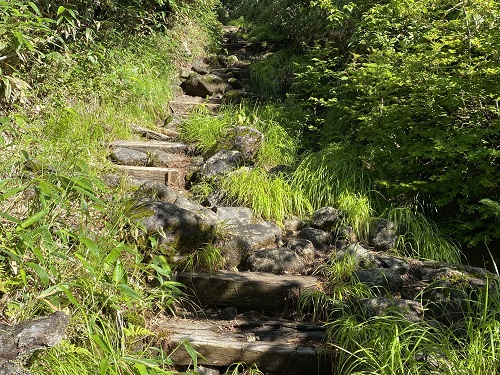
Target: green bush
[412, 87]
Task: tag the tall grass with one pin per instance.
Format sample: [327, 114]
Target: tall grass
[420, 237]
[270, 197]
[326, 174]
[68, 242]
[393, 345]
[279, 146]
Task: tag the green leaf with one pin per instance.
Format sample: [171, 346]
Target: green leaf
[32, 220]
[41, 272]
[119, 273]
[103, 366]
[91, 245]
[9, 193]
[60, 10]
[87, 265]
[128, 291]
[7, 88]
[35, 8]
[113, 255]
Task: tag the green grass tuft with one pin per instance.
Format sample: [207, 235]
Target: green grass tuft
[270, 197]
[420, 237]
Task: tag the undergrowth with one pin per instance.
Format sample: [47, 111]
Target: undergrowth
[393, 345]
[67, 240]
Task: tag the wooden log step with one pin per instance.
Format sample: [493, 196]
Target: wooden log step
[230, 29]
[168, 176]
[223, 343]
[140, 145]
[164, 135]
[183, 108]
[246, 290]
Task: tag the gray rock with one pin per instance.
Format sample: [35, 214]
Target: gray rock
[231, 60]
[235, 83]
[173, 122]
[240, 241]
[301, 247]
[447, 301]
[233, 215]
[128, 156]
[200, 68]
[235, 96]
[381, 279]
[182, 229]
[203, 370]
[157, 191]
[159, 158]
[411, 310]
[8, 368]
[326, 218]
[244, 139]
[359, 253]
[432, 271]
[384, 235]
[224, 161]
[319, 238]
[276, 261]
[294, 224]
[187, 204]
[398, 265]
[26, 337]
[215, 198]
[204, 85]
[450, 288]
[245, 64]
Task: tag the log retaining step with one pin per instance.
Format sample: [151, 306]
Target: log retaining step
[246, 290]
[275, 347]
[143, 145]
[168, 176]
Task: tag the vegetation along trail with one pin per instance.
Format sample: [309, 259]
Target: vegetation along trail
[292, 193]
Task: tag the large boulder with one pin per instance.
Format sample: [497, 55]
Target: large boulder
[24, 338]
[397, 264]
[204, 85]
[156, 191]
[233, 216]
[279, 260]
[326, 218]
[450, 289]
[320, 239]
[384, 235]
[381, 280]
[244, 139]
[238, 242]
[411, 310]
[302, 247]
[361, 255]
[182, 229]
[224, 161]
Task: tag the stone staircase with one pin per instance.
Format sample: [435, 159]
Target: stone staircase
[243, 316]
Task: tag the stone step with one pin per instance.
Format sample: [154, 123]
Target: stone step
[160, 135]
[274, 346]
[145, 146]
[169, 176]
[241, 54]
[246, 290]
[230, 29]
[184, 108]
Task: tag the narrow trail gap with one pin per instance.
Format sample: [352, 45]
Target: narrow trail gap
[244, 316]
